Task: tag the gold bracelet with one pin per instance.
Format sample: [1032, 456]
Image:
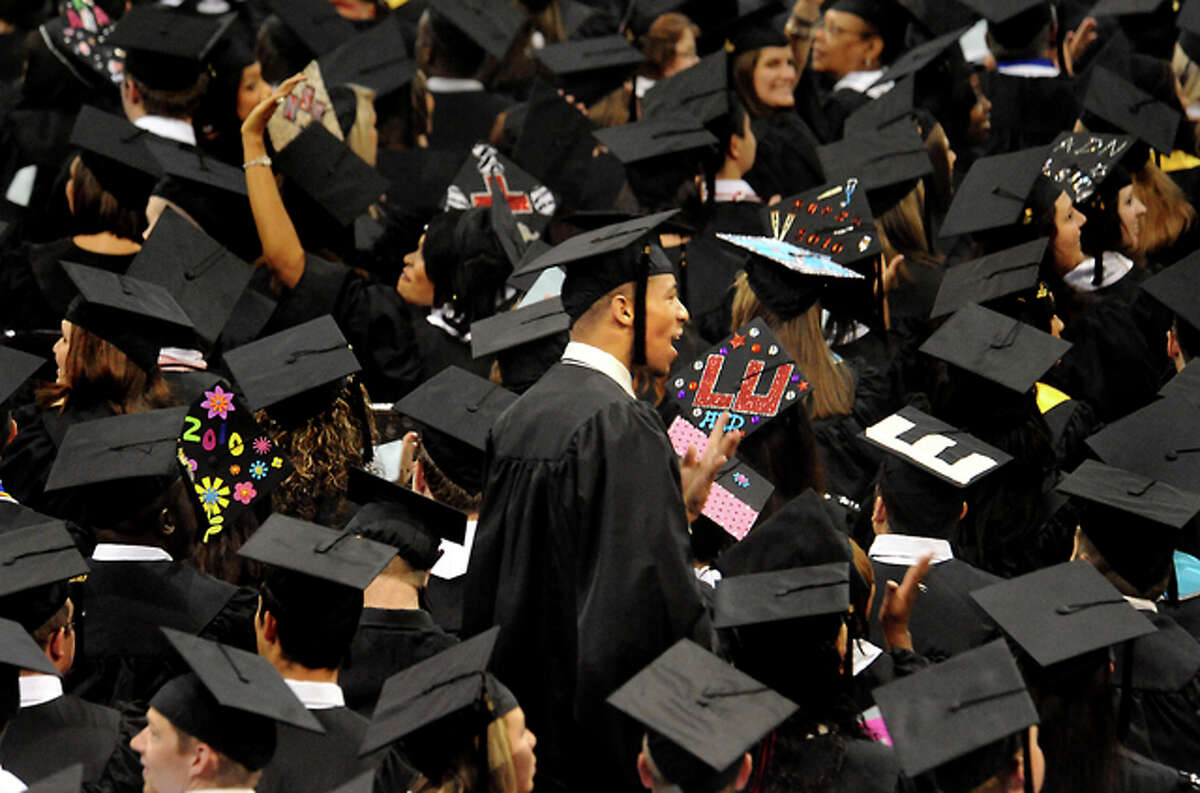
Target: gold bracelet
[263, 160]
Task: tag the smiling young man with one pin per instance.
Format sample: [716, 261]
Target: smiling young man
[581, 551]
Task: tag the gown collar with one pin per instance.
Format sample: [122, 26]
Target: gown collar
[39, 689]
[904, 549]
[317, 696]
[580, 354]
[116, 552]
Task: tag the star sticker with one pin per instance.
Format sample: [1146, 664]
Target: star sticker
[737, 340]
[804, 385]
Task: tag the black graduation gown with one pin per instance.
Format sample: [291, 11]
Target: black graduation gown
[582, 555]
[387, 641]
[945, 621]
[309, 762]
[848, 765]
[785, 161]
[1165, 711]
[34, 288]
[1142, 775]
[121, 655]
[460, 120]
[1027, 111]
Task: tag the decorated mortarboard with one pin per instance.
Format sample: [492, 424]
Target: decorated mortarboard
[38, 559]
[18, 649]
[1175, 288]
[231, 700]
[448, 690]
[493, 26]
[487, 171]
[316, 22]
[307, 104]
[331, 174]
[291, 362]
[776, 545]
[412, 524]
[193, 165]
[995, 347]
[917, 58]
[165, 49]
[884, 161]
[994, 192]
[701, 91]
[81, 32]
[68, 780]
[135, 316]
[775, 595]
[1081, 161]
[952, 708]
[317, 551]
[1130, 109]
[15, 368]
[128, 446]
[655, 137]
[1062, 611]
[893, 110]
[232, 461]
[204, 278]
[990, 277]
[702, 714]
[1132, 493]
[377, 59]
[801, 260]
[834, 220]
[592, 67]
[116, 153]
[524, 325]
[950, 454]
[1160, 440]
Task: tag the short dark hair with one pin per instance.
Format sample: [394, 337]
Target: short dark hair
[917, 503]
[172, 104]
[1187, 336]
[451, 52]
[315, 619]
[95, 209]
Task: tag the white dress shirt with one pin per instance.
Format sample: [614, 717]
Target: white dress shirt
[317, 696]
[175, 129]
[115, 552]
[579, 354]
[903, 549]
[39, 689]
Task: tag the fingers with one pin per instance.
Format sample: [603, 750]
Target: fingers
[689, 457]
[915, 574]
[889, 593]
[718, 429]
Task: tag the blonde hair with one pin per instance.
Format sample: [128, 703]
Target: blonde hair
[502, 774]
[832, 391]
[1188, 73]
[1168, 212]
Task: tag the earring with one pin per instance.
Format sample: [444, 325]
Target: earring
[168, 525]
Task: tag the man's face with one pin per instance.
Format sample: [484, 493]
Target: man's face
[665, 316]
[164, 767]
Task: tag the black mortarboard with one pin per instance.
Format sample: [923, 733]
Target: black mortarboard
[1131, 493]
[230, 700]
[412, 524]
[701, 714]
[701, 91]
[757, 25]
[292, 362]
[1123, 7]
[15, 368]
[1184, 385]
[1062, 611]
[749, 375]
[206, 279]
[785, 594]
[165, 49]
[17, 649]
[317, 551]
[1160, 440]
[330, 173]
[950, 454]
[510, 329]
[116, 153]
[1081, 161]
[960, 705]
[436, 705]
[1013, 23]
[990, 277]
[1189, 25]
[995, 347]
[1175, 288]
[1127, 107]
[994, 192]
[1002, 10]
[68, 780]
[776, 545]
[233, 463]
[135, 316]
[37, 560]
[493, 26]
[834, 220]
[316, 22]
[125, 447]
[917, 58]
[377, 59]
[655, 137]
[893, 109]
[192, 165]
[887, 163]
[587, 69]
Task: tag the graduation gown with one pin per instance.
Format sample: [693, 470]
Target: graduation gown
[1027, 111]
[309, 762]
[387, 641]
[582, 556]
[785, 161]
[462, 119]
[34, 288]
[848, 765]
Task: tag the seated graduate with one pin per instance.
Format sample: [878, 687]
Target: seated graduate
[395, 631]
[214, 727]
[702, 718]
[525, 341]
[124, 475]
[17, 652]
[310, 602]
[16, 369]
[1183, 332]
[458, 725]
[54, 729]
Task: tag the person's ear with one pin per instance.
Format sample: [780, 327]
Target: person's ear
[878, 512]
[622, 309]
[270, 629]
[874, 51]
[644, 773]
[12, 431]
[963, 514]
[1172, 345]
[55, 648]
[743, 777]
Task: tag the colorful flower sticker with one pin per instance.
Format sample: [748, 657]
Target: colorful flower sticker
[234, 470]
[213, 494]
[262, 445]
[258, 469]
[244, 492]
[219, 402]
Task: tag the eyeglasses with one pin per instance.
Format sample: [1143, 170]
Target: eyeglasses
[836, 31]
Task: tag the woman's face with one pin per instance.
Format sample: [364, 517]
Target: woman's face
[60, 351]
[1067, 224]
[775, 77]
[522, 740]
[979, 129]
[414, 286]
[843, 43]
[252, 89]
[1130, 209]
[685, 54]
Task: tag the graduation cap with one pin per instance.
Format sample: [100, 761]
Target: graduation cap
[950, 454]
[192, 166]
[994, 192]
[204, 278]
[17, 649]
[777, 595]
[834, 220]
[303, 547]
[1013, 23]
[231, 700]
[115, 151]
[486, 175]
[887, 163]
[330, 173]
[788, 279]
[1081, 161]
[701, 91]
[38, 560]
[1184, 385]
[1130, 109]
[917, 58]
[164, 49]
[412, 524]
[15, 368]
[755, 26]
[950, 709]
[892, 110]
[655, 137]
[80, 33]
[436, 705]
[592, 67]
[1062, 611]
[555, 144]
[990, 277]
[1189, 25]
[135, 316]
[316, 22]
[701, 714]
[995, 347]
[291, 363]
[1175, 288]
[126, 447]
[509, 330]
[232, 461]
[493, 26]
[1155, 441]
[776, 545]
[377, 59]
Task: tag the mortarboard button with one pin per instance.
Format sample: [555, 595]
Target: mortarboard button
[316, 22]
[950, 454]
[17, 649]
[459, 404]
[786, 594]
[1132, 493]
[303, 547]
[990, 277]
[994, 192]
[1160, 441]
[331, 173]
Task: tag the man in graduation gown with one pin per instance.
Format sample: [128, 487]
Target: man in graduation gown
[581, 553]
